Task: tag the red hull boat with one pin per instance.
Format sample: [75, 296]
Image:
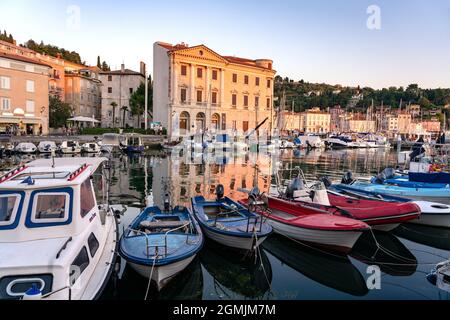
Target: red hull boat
[379, 215]
[311, 225]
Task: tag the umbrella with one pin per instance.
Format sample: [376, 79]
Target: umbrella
[83, 119]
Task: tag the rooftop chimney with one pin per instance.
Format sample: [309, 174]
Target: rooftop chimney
[142, 68]
[122, 67]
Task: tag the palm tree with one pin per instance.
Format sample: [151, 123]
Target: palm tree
[114, 106]
[124, 109]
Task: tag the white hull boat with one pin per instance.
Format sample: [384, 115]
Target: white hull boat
[47, 147]
[70, 147]
[161, 275]
[25, 147]
[59, 242]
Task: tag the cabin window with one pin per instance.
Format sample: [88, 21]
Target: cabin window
[93, 244]
[80, 264]
[8, 208]
[52, 207]
[87, 201]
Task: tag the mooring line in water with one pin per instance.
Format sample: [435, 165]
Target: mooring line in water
[430, 253]
[150, 278]
[387, 251]
[258, 252]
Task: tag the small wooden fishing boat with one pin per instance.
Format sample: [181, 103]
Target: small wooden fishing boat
[229, 223]
[161, 243]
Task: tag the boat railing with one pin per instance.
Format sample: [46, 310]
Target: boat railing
[248, 219]
[157, 246]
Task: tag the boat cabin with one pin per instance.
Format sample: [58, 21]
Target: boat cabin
[50, 226]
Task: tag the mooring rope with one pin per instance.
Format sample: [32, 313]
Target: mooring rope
[374, 262]
[150, 278]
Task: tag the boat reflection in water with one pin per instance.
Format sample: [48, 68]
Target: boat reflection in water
[332, 270]
[236, 276]
[187, 285]
[390, 254]
[430, 236]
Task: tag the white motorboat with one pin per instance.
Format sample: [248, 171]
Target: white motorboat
[47, 146]
[311, 141]
[91, 147]
[70, 147]
[337, 142]
[111, 142]
[57, 242]
[25, 147]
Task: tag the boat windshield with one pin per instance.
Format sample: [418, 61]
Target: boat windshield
[71, 144]
[8, 208]
[43, 175]
[133, 141]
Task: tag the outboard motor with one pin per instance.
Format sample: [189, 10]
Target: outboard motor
[380, 178]
[348, 178]
[166, 202]
[296, 184]
[220, 191]
[389, 173]
[255, 192]
[417, 149]
[326, 181]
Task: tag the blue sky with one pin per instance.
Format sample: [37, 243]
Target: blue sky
[318, 41]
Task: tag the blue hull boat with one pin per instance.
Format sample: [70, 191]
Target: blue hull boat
[229, 223]
[134, 149]
[412, 190]
[160, 244]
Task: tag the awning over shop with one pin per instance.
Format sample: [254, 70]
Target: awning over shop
[9, 120]
[83, 119]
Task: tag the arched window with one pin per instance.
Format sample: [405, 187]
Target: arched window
[215, 121]
[200, 121]
[184, 122]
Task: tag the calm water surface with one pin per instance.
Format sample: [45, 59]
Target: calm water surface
[283, 269]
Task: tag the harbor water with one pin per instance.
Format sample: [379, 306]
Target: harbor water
[282, 268]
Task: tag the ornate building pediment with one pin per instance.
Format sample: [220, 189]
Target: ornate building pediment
[201, 52]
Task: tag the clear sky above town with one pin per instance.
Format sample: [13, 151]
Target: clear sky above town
[331, 41]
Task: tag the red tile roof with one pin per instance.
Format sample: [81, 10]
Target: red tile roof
[21, 58]
[126, 72]
[230, 59]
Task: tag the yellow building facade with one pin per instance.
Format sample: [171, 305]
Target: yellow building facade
[316, 121]
[196, 89]
[361, 126]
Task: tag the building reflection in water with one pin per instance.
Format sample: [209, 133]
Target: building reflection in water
[189, 175]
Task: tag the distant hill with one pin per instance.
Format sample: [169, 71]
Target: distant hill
[307, 95]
